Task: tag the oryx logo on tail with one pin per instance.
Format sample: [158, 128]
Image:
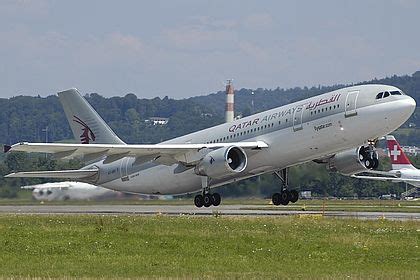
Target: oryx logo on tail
[87, 134]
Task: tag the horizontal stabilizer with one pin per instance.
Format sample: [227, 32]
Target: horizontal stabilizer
[62, 174]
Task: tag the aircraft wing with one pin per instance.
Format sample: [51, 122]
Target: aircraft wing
[70, 174]
[60, 187]
[184, 153]
[389, 179]
[383, 173]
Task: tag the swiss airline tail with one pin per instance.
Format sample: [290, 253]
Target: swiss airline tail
[398, 158]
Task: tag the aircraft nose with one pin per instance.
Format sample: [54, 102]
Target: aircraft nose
[410, 104]
[405, 108]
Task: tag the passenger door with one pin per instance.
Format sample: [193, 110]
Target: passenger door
[297, 119]
[351, 102]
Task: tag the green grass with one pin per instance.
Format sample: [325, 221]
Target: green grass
[207, 247]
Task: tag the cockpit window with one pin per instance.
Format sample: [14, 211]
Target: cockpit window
[388, 93]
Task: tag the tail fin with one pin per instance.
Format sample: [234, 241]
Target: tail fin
[398, 158]
[85, 122]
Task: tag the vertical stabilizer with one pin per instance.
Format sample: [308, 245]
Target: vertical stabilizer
[87, 126]
[398, 158]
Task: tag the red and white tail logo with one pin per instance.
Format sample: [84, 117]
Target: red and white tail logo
[398, 158]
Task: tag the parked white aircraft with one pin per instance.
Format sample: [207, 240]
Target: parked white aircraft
[68, 191]
[337, 128]
[402, 169]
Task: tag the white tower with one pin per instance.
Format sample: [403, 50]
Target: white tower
[229, 101]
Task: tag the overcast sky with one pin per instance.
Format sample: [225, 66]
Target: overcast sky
[185, 48]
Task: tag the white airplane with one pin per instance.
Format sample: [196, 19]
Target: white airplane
[402, 169]
[68, 191]
[337, 128]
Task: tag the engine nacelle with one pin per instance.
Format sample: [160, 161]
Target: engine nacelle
[353, 161]
[222, 162]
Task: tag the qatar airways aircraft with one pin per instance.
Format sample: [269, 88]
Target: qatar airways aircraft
[337, 128]
[402, 169]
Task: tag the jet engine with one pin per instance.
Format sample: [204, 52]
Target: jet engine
[222, 162]
[354, 161]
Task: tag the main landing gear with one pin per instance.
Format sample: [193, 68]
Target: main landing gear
[285, 196]
[207, 199]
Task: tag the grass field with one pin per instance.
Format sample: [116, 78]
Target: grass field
[207, 247]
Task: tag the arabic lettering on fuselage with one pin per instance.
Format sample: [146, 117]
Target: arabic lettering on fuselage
[322, 101]
[286, 112]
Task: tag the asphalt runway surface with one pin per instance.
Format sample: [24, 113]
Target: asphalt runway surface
[174, 210]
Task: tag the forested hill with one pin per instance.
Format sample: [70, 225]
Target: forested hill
[23, 118]
[265, 99]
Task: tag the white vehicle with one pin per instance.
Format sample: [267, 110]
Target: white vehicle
[402, 169]
[68, 191]
[336, 128]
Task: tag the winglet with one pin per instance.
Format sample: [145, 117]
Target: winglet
[6, 148]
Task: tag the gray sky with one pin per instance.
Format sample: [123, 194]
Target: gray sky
[185, 48]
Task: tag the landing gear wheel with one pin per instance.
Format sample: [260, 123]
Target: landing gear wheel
[284, 197]
[294, 196]
[368, 163]
[216, 199]
[276, 199]
[208, 200]
[199, 200]
[375, 163]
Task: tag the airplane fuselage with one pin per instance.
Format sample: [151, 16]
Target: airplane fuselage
[295, 133]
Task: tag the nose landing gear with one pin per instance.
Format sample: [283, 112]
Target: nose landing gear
[285, 196]
[368, 155]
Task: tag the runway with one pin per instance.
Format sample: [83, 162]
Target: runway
[175, 210]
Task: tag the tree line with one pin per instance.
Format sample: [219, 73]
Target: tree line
[25, 118]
